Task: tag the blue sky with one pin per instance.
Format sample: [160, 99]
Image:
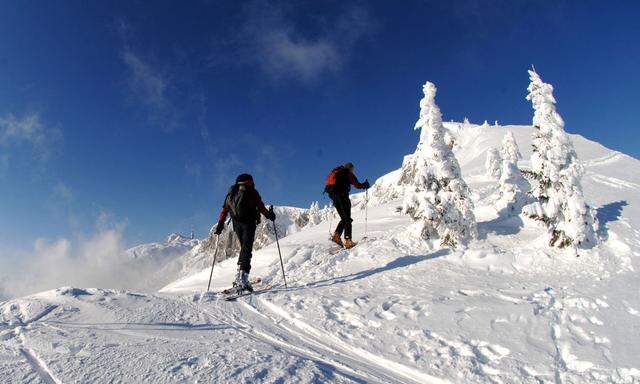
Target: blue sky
[139, 115]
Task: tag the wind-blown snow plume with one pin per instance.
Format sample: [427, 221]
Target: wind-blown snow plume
[557, 175]
[99, 260]
[436, 196]
[513, 185]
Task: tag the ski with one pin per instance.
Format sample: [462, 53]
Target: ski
[253, 281]
[235, 296]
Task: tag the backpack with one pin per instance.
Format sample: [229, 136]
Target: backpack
[332, 179]
[241, 200]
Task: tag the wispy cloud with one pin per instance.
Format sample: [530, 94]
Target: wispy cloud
[227, 159]
[27, 130]
[147, 83]
[284, 51]
[63, 192]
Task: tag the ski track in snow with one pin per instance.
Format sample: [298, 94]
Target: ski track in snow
[273, 338]
[607, 159]
[613, 182]
[39, 366]
[338, 347]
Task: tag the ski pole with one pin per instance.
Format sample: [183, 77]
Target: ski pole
[330, 218]
[215, 253]
[366, 204]
[275, 231]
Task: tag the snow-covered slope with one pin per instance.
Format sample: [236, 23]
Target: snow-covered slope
[393, 310]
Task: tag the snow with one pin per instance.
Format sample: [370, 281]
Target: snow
[394, 309]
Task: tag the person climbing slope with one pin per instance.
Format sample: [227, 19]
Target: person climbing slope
[338, 185]
[245, 204]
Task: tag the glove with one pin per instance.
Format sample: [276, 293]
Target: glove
[219, 227]
[272, 215]
[366, 184]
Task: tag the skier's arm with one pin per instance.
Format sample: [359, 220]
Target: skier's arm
[222, 218]
[354, 181]
[223, 214]
[261, 207]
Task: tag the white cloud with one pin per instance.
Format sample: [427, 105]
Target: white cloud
[63, 192]
[145, 80]
[283, 54]
[227, 159]
[147, 83]
[283, 51]
[27, 130]
[149, 86]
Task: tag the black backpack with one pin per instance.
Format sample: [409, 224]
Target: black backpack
[241, 200]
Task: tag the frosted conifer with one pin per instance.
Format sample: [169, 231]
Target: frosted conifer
[436, 196]
[557, 175]
[314, 213]
[493, 164]
[513, 185]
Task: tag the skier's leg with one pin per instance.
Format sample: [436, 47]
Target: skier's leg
[347, 217]
[238, 229]
[337, 203]
[246, 246]
[343, 211]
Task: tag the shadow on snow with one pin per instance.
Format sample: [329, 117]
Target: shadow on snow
[607, 214]
[501, 225]
[161, 326]
[400, 262]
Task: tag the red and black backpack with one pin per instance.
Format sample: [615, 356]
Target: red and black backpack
[337, 180]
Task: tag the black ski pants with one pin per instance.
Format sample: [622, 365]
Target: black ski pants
[343, 206]
[246, 233]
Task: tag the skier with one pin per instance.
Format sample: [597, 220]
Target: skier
[245, 204]
[338, 185]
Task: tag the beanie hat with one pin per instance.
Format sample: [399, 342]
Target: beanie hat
[243, 178]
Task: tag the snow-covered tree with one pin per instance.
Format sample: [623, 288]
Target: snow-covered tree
[512, 195]
[485, 125]
[436, 196]
[492, 164]
[315, 215]
[557, 175]
[449, 139]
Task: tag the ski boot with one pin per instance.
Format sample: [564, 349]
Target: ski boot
[348, 244]
[336, 239]
[246, 284]
[241, 282]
